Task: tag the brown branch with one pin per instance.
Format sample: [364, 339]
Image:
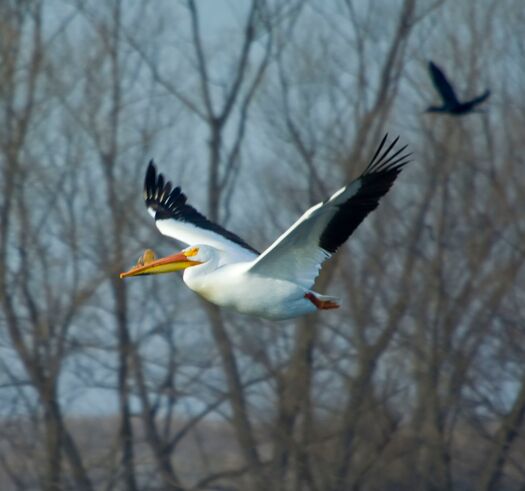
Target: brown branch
[201, 61]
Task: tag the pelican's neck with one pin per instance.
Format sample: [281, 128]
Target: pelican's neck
[195, 275]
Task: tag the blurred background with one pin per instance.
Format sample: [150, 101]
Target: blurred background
[259, 109]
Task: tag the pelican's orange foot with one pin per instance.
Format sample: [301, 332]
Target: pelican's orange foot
[320, 303]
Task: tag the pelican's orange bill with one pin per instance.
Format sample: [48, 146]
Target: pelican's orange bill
[168, 264]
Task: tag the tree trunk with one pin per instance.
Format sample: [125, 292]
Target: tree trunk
[242, 426]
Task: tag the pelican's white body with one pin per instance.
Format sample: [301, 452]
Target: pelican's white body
[232, 286]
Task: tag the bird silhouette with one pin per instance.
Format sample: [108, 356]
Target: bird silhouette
[451, 104]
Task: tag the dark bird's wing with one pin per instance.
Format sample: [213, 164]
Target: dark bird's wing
[479, 99]
[297, 255]
[175, 218]
[442, 85]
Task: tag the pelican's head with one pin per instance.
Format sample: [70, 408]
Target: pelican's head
[148, 264]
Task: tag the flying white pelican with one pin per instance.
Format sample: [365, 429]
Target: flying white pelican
[277, 284]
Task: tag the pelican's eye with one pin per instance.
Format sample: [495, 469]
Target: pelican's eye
[191, 252]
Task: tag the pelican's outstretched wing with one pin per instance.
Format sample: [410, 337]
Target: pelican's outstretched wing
[179, 220]
[442, 85]
[298, 254]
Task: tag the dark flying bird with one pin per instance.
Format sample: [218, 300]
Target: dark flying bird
[451, 104]
[276, 284]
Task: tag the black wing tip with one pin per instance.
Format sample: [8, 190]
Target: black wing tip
[387, 160]
[158, 192]
[376, 181]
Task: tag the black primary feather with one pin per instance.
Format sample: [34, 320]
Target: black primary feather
[171, 203]
[375, 182]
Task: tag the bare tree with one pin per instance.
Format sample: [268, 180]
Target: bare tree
[416, 382]
[37, 318]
